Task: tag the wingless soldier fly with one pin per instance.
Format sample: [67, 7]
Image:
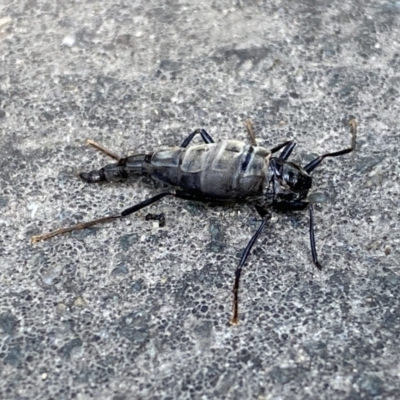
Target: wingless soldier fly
[229, 171]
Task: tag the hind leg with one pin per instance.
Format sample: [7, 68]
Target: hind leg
[83, 225]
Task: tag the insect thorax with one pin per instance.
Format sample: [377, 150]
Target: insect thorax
[287, 181]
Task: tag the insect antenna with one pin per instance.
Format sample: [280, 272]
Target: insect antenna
[353, 130]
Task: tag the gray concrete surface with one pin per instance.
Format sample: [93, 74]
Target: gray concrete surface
[129, 310]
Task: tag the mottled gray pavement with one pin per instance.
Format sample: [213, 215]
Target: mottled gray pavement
[129, 310]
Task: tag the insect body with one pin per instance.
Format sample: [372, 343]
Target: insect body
[225, 172]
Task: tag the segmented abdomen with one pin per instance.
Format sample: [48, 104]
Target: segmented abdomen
[229, 169]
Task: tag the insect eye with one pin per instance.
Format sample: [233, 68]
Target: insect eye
[291, 178]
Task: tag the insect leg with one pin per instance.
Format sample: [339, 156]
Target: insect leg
[204, 135]
[290, 205]
[84, 225]
[312, 240]
[353, 130]
[288, 148]
[287, 151]
[297, 206]
[266, 216]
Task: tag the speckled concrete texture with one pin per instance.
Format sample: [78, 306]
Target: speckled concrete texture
[131, 310]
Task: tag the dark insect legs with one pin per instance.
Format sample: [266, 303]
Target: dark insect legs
[287, 206]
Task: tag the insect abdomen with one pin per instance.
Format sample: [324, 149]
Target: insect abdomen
[226, 170]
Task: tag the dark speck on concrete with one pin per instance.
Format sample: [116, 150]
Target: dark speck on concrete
[8, 323]
[135, 326]
[128, 241]
[13, 356]
[3, 201]
[120, 270]
[66, 350]
[216, 243]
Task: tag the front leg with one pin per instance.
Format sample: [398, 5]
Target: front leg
[297, 206]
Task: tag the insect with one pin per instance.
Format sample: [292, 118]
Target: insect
[229, 171]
